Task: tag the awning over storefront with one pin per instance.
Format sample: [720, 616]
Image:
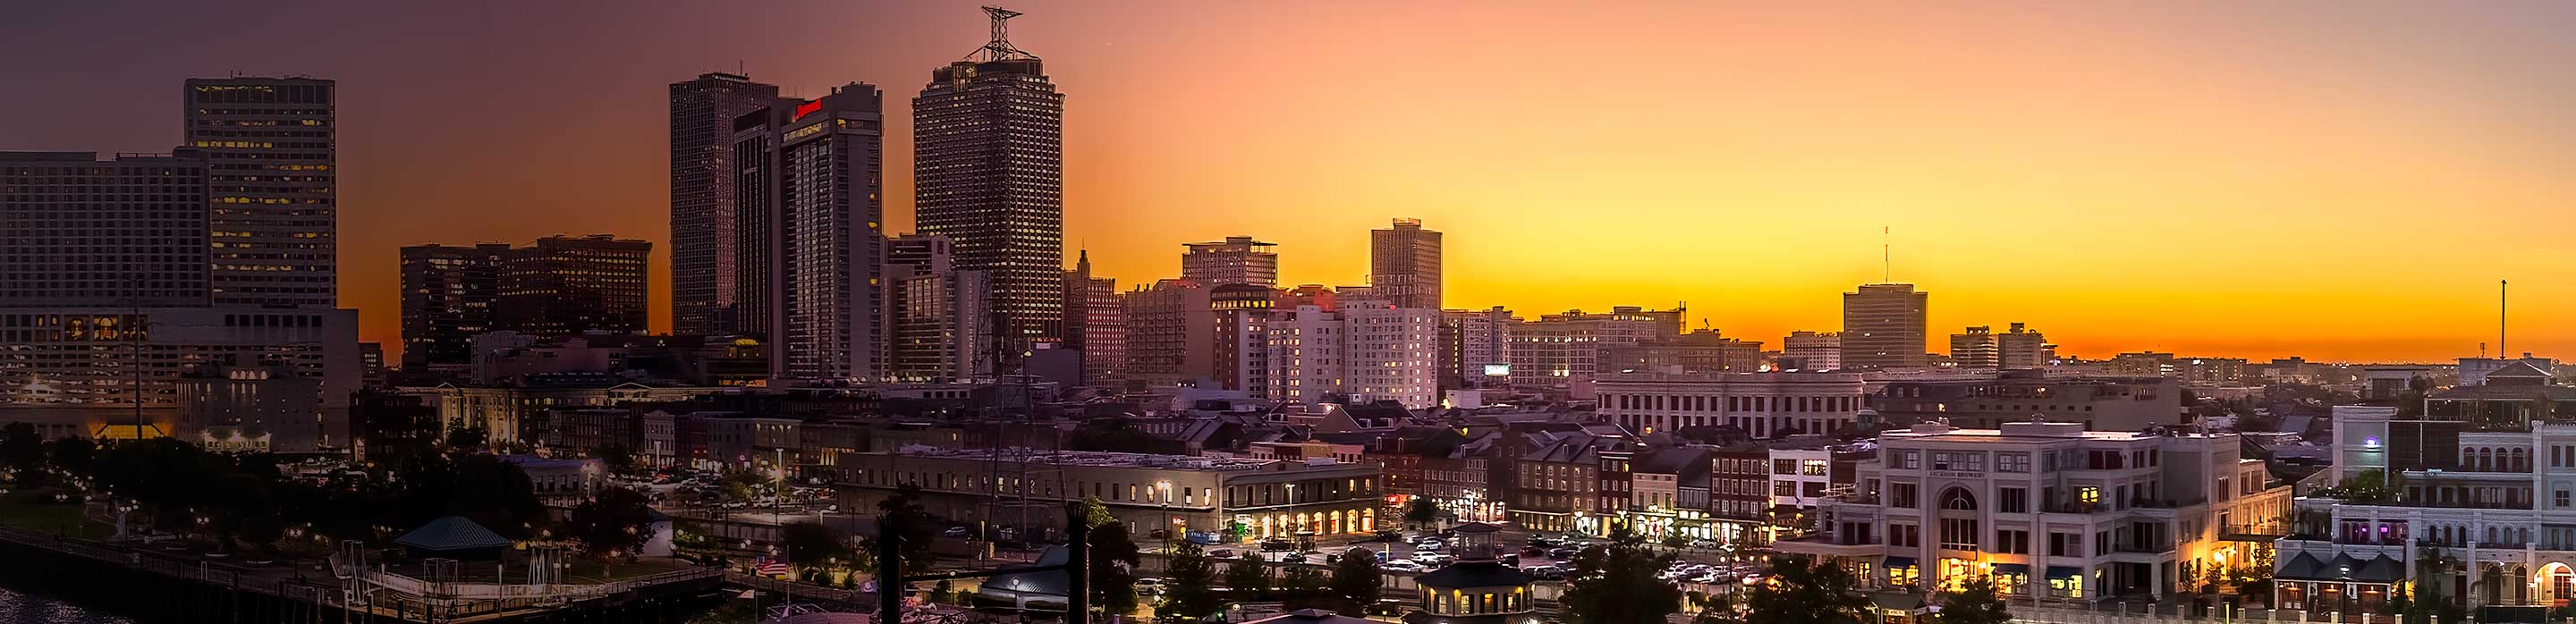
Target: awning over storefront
[2377, 569]
[1900, 562]
[2059, 572]
[2012, 568]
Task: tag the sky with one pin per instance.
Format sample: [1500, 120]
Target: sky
[2344, 181]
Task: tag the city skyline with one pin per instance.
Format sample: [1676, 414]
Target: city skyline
[2234, 237]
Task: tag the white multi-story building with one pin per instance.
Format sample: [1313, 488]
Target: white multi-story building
[2049, 510]
[1559, 349]
[1801, 473]
[1762, 404]
[1366, 354]
[1806, 350]
[1476, 346]
[2484, 486]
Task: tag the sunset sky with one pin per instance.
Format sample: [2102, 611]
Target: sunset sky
[2337, 180]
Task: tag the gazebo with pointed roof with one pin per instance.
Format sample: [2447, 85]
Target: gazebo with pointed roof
[454, 537]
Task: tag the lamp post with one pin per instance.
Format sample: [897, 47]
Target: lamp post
[1166, 495]
[2344, 604]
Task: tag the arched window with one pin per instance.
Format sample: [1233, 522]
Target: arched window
[1958, 498]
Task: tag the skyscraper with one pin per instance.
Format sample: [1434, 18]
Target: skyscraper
[273, 173]
[1883, 327]
[447, 298]
[809, 191]
[1475, 347]
[703, 244]
[565, 285]
[1235, 260]
[2023, 348]
[939, 334]
[988, 151]
[79, 231]
[1095, 325]
[1811, 351]
[1404, 265]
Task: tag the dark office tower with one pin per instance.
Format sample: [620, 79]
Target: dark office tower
[988, 148]
[272, 187]
[447, 299]
[1404, 265]
[563, 286]
[79, 231]
[1883, 327]
[702, 197]
[809, 188]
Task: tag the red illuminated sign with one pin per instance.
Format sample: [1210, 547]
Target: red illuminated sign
[808, 108]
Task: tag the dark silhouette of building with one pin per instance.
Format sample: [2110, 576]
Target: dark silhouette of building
[564, 285]
[703, 244]
[271, 191]
[988, 173]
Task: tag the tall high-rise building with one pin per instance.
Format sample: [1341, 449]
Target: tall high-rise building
[1883, 327]
[941, 331]
[1973, 348]
[79, 231]
[448, 292]
[1360, 353]
[2021, 347]
[1170, 330]
[1476, 347]
[1095, 325]
[1811, 351]
[1235, 260]
[272, 187]
[918, 254]
[1242, 313]
[565, 285]
[809, 190]
[1404, 264]
[988, 151]
[703, 243]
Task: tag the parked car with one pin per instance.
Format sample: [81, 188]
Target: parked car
[1222, 553]
[1149, 585]
[956, 531]
[1561, 554]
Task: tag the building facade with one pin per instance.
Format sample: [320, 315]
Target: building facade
[810, 185]
[704, 246]
[1237, 499]
[944, 329]
[565, 285]
[1883, 327]
[1170, 334]
[1559, 349]
[1475, 347]
[1094, 324]
[988, 173]
[1235, 260]
[1763, 405]
[84, 371]
[2050, 511]
[1404, 264]
[79, 231]
[272, 187]
[448, 292]
[2099, 403]
[1811, 351]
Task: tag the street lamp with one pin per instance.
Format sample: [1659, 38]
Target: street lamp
[1166, 487]
[2345, 603]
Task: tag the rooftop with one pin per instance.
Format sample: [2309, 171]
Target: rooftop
[1093, 458]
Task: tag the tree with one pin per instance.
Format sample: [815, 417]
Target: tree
[1805, 591]
[615, 523]
[1721, 608]
[1113, 563]
[1617, 584]
[1675, 541]
[1976, 601]
[809, 543]
[903, 516]
[616, 457]
[464, 438]
[1304, 587]
[1247, 577]
[1357, 580]
[1190, 574]
[78, 456]
[21, 449]
[1422, 512]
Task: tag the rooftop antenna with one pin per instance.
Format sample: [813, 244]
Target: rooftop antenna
[1000, 48]
[2500, 300]
[1886, 257]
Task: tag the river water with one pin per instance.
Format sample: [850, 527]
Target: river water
[18, 607]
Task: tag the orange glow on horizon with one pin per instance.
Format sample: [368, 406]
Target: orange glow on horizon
[2340, 181]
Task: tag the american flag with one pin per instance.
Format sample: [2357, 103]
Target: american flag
[770, 567]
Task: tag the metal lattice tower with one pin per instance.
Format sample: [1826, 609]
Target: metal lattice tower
[1000, 48]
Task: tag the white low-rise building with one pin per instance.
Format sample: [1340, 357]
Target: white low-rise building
[1764, 405]
[2051, 511]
